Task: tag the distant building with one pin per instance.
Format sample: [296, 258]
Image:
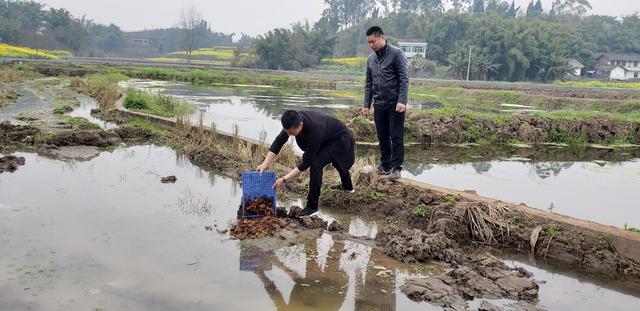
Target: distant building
[576, 67]
[141, 38]
[412, 47]
[616, 66]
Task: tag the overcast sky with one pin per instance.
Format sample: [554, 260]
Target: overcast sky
[249, 16]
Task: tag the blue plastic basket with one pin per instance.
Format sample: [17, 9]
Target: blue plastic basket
[254, 186]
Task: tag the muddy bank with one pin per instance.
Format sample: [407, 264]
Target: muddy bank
[498, 225]
[10, 163]
[458, 129]
[67, 141]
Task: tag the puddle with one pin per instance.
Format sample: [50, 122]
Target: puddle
[28, 102]
[566, 290]
[84, 108]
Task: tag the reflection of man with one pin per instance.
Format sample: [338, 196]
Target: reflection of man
[387, 85]
[324, 140]
[325, 286]
[327, 294]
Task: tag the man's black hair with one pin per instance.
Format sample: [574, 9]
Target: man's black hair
[290, 119]
[375, 30]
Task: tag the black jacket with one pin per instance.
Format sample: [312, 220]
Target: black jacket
[319, 130]
[387, 77]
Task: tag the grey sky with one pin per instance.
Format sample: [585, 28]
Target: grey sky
[249, 16]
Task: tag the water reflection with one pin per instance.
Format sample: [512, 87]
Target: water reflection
[83, 110]
[563, 289]
[251, 109]
[326, 275]
[605, 193]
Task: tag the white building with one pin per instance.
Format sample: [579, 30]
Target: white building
[576, 67]
[412, 48]
[616, 66]
[624, 73]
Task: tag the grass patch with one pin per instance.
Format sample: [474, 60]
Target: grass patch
[156, 104]
[78, 123]
[421, 210]
[622, 85]
[631, 229]
[8, 97]
[376, 195]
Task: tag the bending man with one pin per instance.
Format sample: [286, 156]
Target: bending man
[324, 139]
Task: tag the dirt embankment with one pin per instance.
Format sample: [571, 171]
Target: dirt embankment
[34, 138]
[532, 130]
[472, 223]
[432, 128]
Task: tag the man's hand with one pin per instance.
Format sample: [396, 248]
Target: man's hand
[279, 183]
[400, 107]
[365, 112]
[262, 167]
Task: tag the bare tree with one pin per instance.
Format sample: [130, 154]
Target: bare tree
[189, 24]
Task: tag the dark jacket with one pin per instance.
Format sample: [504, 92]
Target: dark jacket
[319, 130]
[387, 77]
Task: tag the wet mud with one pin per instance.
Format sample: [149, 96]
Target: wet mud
[10, 163]
[445, 227]
[470, 276]
[431, 128]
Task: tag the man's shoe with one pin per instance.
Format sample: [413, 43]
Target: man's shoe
[307, 211]
[395, 174]
[339, 187]
[383, 171]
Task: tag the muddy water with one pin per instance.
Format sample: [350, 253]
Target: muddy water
[83, 110]
[570, 183]
[251, 109]
[597, 190]
[29, 101]
[106, 234]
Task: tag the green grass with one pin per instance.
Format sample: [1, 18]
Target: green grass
[109, 77]
[377, 195]
[421, 210]
[553, 230]
[624, 85]
[160, 105]
[631, 229]
[78, 123]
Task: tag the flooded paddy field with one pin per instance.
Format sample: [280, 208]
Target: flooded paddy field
[107, 234]
[548, 179]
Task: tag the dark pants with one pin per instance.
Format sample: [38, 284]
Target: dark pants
[341, 154]
[390, 131]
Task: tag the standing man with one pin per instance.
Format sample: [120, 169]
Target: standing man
[387, 84]
[324, 139]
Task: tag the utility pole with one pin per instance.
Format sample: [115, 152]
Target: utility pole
[469, 65]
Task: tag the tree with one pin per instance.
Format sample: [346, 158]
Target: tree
[534, 10]
[477, 7]
[513, 10]
[459, 5]
[498, 6]
[190, 24]
[571, 7]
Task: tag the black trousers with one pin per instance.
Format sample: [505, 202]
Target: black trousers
[341, 154]
[390, 132]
